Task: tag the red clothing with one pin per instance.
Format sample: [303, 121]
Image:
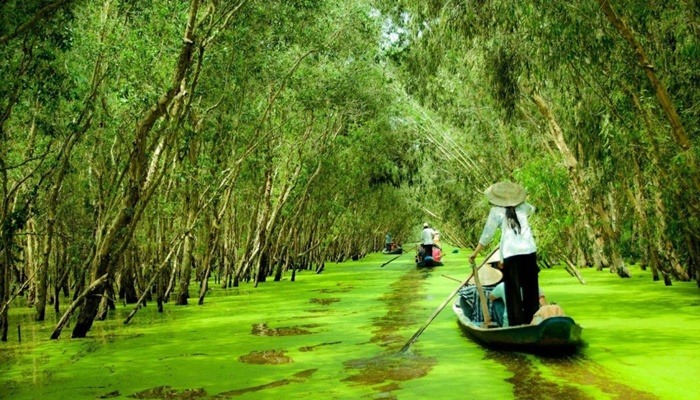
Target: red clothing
[437, 254]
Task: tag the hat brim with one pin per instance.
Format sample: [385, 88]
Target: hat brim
[488, 276]
[505, 194]
[495, 257]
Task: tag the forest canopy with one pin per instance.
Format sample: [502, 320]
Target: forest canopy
[148, 146]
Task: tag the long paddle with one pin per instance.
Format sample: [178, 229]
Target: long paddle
[482, 296]
[382, 266]
[444, 303]
[403, 252]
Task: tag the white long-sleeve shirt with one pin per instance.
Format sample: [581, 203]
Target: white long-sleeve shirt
[512, 244]
[427, 235]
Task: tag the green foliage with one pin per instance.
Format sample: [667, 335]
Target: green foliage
[505, 68]
[478, 62]
[311, 128]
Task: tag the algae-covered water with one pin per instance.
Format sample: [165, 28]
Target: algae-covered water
[336, 336]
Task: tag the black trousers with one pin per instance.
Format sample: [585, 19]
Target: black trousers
[521, 287]
[427, 250]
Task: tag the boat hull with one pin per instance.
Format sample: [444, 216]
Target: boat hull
[395, 251]
[428, 262]
[554, 335]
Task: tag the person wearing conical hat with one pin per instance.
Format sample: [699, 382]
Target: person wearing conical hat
[509, 213]
[469, 300]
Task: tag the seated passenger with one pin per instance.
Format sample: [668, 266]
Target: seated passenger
[498, 296]
[437, 253]
[546, 310]
[469, 300]
[436, 239]
[420, 254]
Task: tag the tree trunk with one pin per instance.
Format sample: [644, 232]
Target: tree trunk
[5, 285]
[121, 229]
[664, 246]
[639, 202]
[661, 251]
[661, 94]
[602, 241]
[212, 248]
[76, 303]
[186, 266]
[38, 289]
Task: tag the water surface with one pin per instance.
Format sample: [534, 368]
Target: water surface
[336, 336]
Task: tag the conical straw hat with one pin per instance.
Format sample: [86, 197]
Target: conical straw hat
[488, 276]
[505, 194]
[495, 257]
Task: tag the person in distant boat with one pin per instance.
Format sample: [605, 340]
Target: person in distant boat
[426, 237]
[388, 241]
[437, 253]
[509, 213]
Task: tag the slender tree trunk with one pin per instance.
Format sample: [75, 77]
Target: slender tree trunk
[581, 193]
[212, 248]
[187, 259]
[76, 303]
[119, 233]
[32, 267]
[664, 257]
[173, 274]
[610, 236]
[664, 246]
[638, 200]
[5, 284]
[626, 32]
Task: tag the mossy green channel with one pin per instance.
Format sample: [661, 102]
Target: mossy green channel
[336, 335]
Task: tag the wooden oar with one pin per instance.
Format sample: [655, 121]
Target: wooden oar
[382, 266]
[403, 252]
[444, 303]
[452, 278]
[482, 296]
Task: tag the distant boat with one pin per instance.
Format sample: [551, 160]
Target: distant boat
[433, 260]
[428, 262]
[554, 335]
[397, 250]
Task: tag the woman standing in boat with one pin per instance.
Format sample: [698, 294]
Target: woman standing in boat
[509, 213]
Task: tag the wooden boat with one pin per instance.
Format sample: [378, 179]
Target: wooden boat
[428, 262]
[555, 335]
[397, 250]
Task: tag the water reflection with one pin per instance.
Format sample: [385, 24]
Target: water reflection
[385, 372]
[555, 377]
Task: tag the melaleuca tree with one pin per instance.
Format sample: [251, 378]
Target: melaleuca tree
[557, 77]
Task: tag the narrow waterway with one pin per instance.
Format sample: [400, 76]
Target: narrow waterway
[337, 335]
